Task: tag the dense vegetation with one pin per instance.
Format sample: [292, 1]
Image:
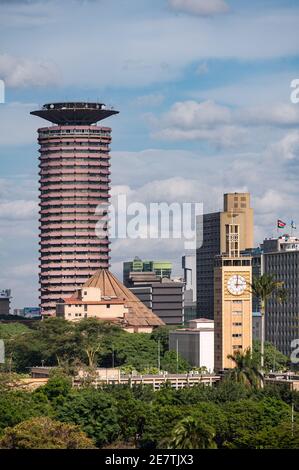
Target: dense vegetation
[235, 414]
[230, 415]
[56, 342]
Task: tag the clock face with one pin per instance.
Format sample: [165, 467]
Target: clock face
[236, 284]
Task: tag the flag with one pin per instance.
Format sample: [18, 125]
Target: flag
[281, 224]
[293, 225]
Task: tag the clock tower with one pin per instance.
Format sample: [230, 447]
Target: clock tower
[232, 301]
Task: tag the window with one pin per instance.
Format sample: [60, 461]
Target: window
[108, 305]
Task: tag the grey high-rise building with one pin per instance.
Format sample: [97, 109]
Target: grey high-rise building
[189, 269]
[281, 259]
[163, 296]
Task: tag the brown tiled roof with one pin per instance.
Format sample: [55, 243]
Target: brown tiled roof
[138, 314]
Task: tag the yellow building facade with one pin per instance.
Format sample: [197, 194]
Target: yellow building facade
[232, 301]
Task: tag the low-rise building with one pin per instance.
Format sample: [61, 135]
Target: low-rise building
[196, 343]
[104, 297]
[160, 268]
[28, 312]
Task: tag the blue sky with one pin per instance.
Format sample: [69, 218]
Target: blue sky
[203, 90]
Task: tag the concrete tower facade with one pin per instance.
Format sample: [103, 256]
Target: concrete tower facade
[213, 230]
[74, 181]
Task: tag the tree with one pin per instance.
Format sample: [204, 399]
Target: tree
[56, 389]
[58, 340]
[13, 329]
[18, 405]
[90, 335]
[246, 418]
[190, 433]
[45, 433]
[24, 349]
[273, 359]
[246, 370]
[263, 288]
[283, 436]
[161, 334]
[173, 362]
[94, 411]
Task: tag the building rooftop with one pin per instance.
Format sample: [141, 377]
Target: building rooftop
[138, 313]
[75, 113]
[202, 320]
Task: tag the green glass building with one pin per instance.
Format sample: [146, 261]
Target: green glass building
[160, 268]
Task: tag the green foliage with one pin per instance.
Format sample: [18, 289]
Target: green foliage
[191, 433]
[229, 415]
[283, 436]
[162, 334]
[17, 406]
[9, 330]
[246, 370]
[136, 350]
[274, 359]
[265, 286]
[44, 433]
[237, 416]
[58, 342]
[248, 417]
[56, 389]
[173, 363]
[94, 411]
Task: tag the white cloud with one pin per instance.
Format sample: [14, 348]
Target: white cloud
[280, 114]
[220, 125]
[287, 148]
[18, 210]
[20, 72]
[143, 48]
[223, 136]
[191, 114]
[200, 7]
[205, 121]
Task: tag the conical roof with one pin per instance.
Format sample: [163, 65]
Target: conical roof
[138, 313]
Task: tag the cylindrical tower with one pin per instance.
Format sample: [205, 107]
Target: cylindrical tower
[74, 180]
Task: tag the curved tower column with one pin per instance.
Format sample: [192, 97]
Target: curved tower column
[74, 180]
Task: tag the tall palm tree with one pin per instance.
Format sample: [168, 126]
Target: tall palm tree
[282, 296]
[263, 288]
[190, 433]
[246, 370]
